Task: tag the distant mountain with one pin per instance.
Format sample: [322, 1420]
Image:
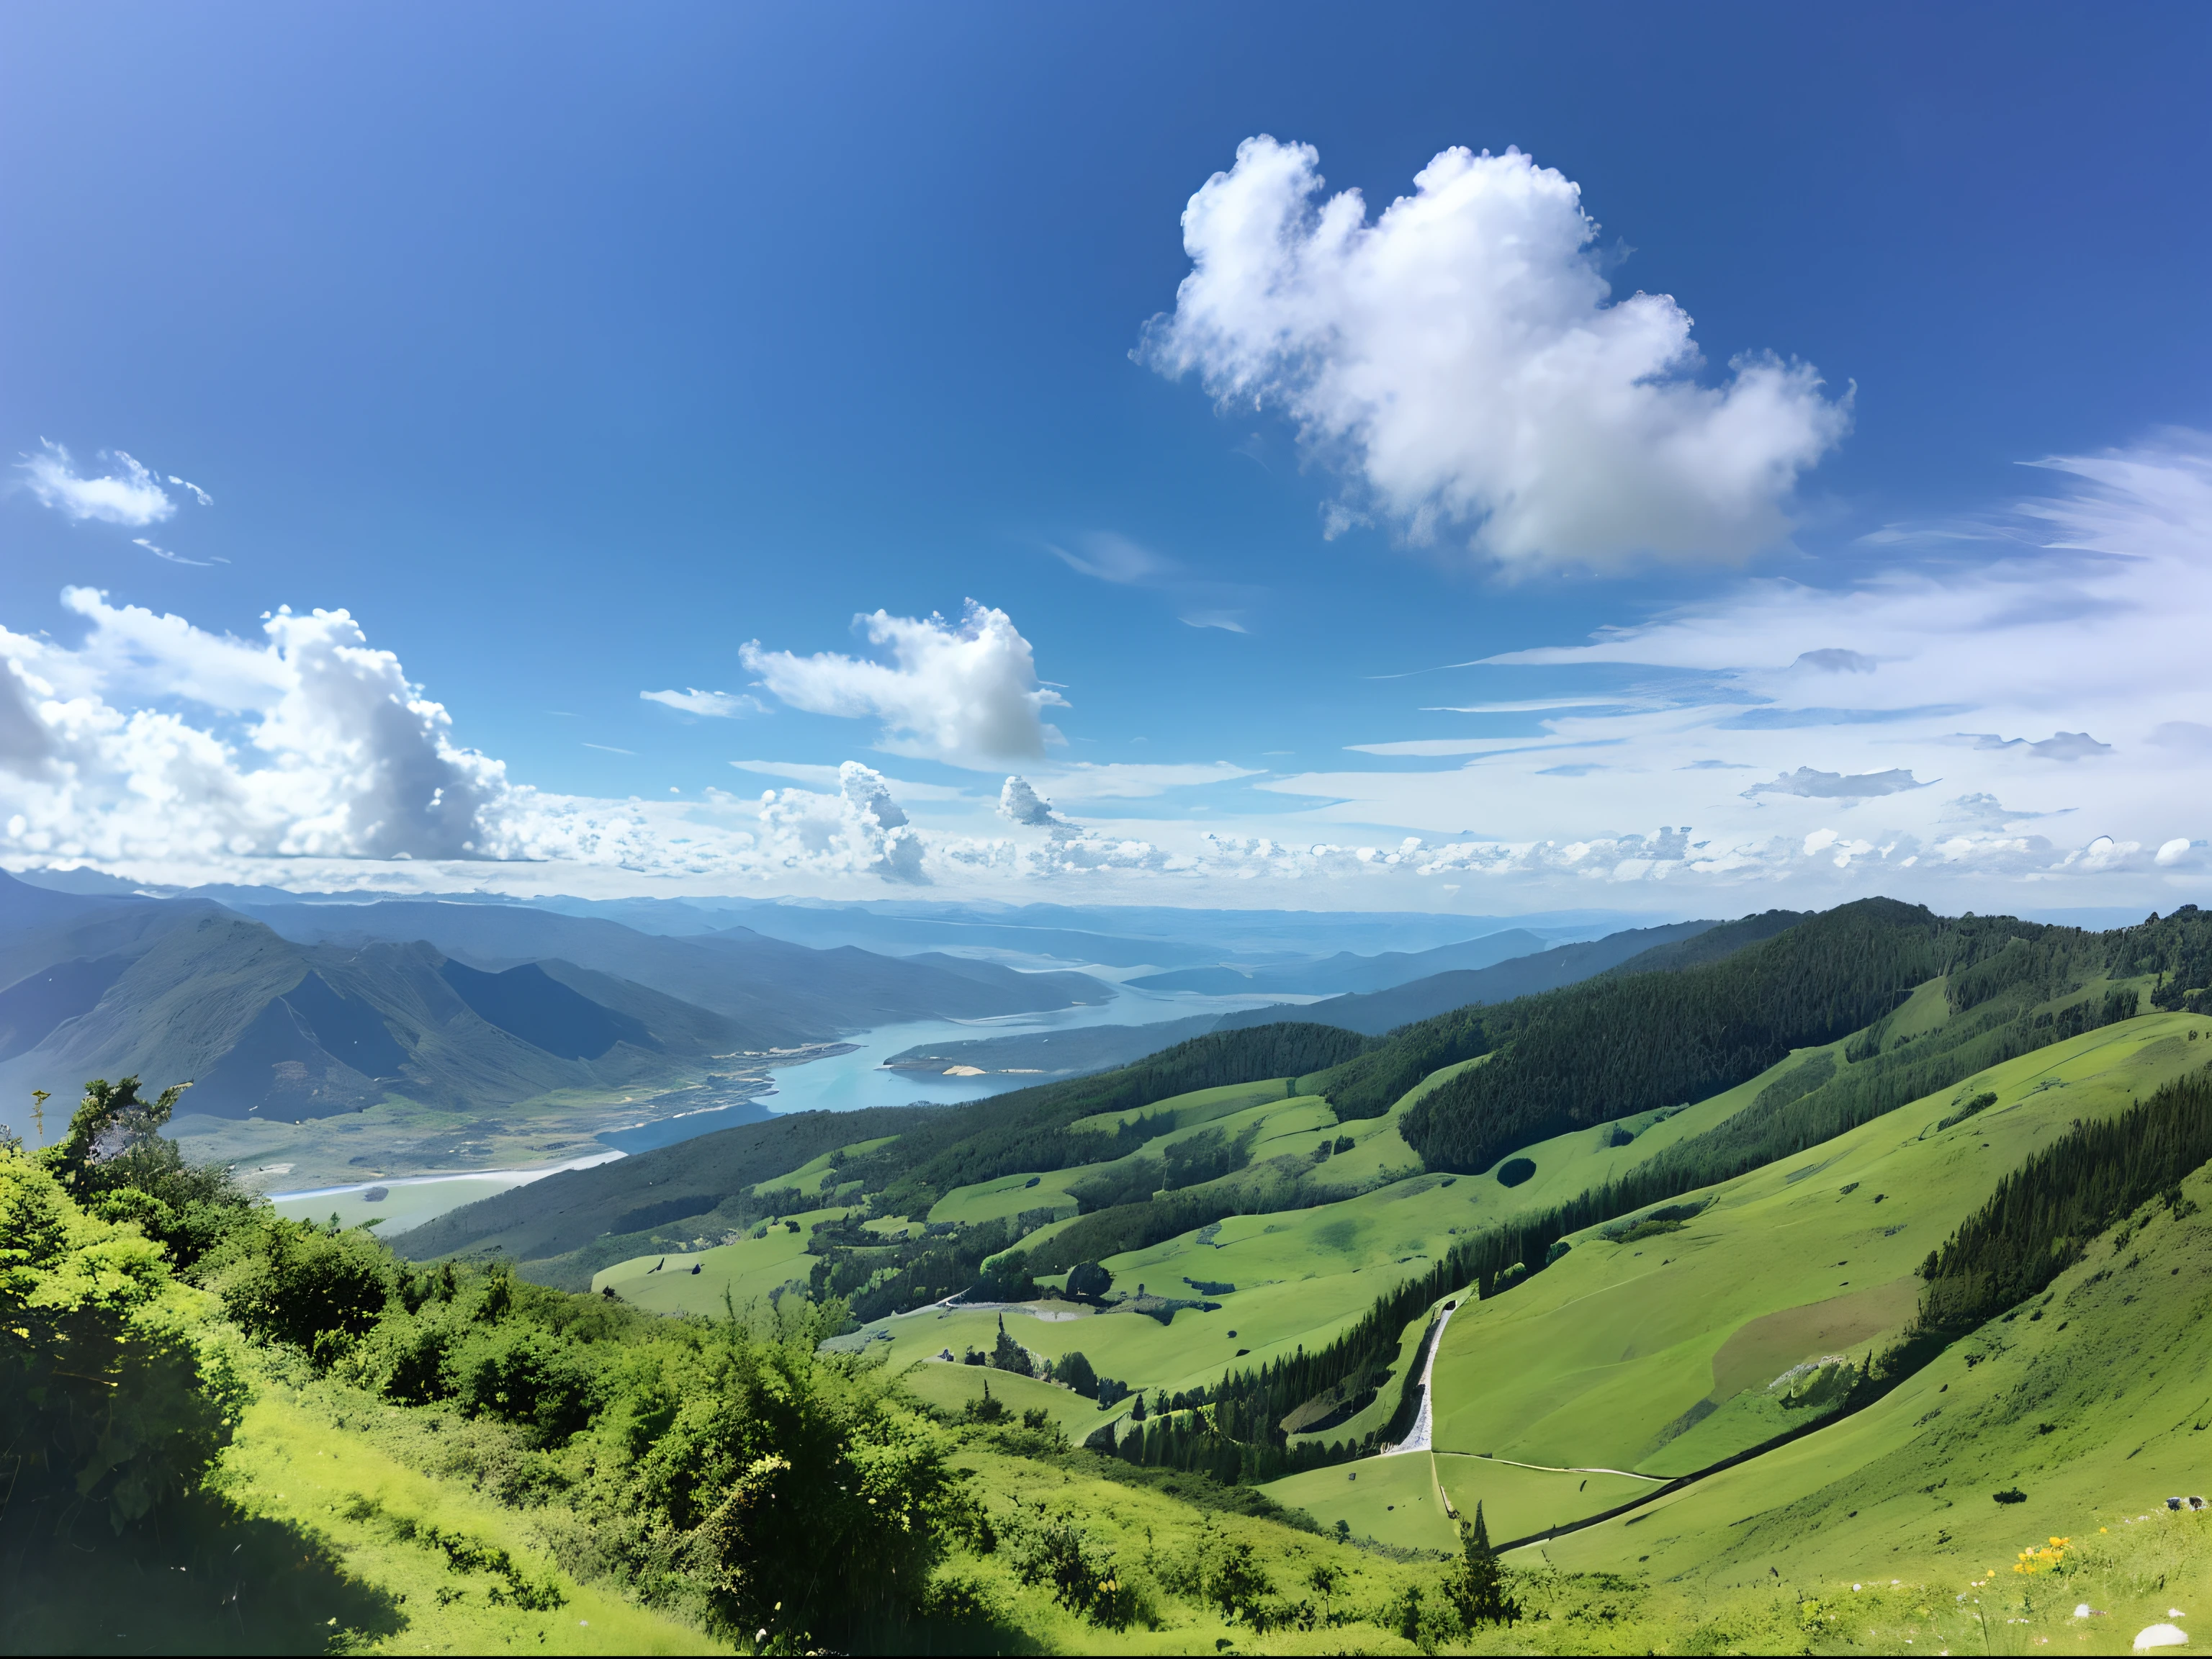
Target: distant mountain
[261, 1025]
[780, 994]
[1423, 998]
[1345, 972]
[448, 1004]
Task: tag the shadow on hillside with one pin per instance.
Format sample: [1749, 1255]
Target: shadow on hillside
[197, 1578]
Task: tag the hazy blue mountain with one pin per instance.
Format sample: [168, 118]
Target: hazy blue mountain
[1345, 972]
[780, 995]
[1376, 1013]
[258, 1024]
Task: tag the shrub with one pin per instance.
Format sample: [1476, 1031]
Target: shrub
[117, 1385]
[315, 1288]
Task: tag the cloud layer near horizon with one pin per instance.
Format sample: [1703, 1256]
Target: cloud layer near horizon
[2006, 714]
[1459, 361]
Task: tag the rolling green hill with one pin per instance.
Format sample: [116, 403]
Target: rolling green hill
[1895, 1340]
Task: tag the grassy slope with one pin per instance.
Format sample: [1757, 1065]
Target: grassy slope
[1614, 1343]
[1159, 1546]
[1301, 1275]
[1602, 1359]
[293, 1461]
[746, 1271]
[2118, 1364]
[949, 1388]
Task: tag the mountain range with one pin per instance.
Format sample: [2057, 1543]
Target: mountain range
[300, 1012]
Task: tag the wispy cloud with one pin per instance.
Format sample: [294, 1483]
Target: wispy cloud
[712, 705]
[832, 777]
[173, 558]
[2071, 645]
[1458, 362]
[129, 496]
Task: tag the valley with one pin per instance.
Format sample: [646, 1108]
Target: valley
[1677, 1352]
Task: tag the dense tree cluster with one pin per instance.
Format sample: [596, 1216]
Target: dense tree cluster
[1615, 1047]
[2043, 1215]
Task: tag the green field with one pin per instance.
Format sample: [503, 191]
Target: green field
[949, 1387]
[2094, 1401]
[747, 1271]
[1389, 1500]
[1657, 1356]
[1301, 1275]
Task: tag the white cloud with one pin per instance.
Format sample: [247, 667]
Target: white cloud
[833, 777]
[2059, 746]
[1458, 359]
[1111, 557]
[2083, 619]
[966, 694]
[131, 496]
[1731, 774]
[330, 752]
[1815, 785]
[860, 831]
[1020, 804]
[173, 558]
[1132, 780]
[198, 495]
[715, 705]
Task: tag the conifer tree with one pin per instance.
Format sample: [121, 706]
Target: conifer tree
[1479, 1589]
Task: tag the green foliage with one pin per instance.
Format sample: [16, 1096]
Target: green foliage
[1980, 1102]
[1008, 1355]
[1478, 1590]
[785, 1483]
[117, 1385]
[319, 1289]
[1089, 1279]
[1075, 1371]
[115, 1161]
[1025, 1130]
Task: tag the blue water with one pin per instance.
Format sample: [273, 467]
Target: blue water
[844, 1082]
[847, 1082]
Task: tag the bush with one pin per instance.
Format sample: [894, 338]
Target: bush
[1089, 1279]
[117, 1385]
[524, 1375]
[315, 1288]
[1075, 1371]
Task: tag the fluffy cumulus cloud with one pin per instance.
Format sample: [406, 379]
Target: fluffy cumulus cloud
[1019, 803]
[965, 692]
[154, 740]
[126, 495]
[1461, 359]
[860, 831]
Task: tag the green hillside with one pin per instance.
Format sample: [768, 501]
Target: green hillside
[2093, 1402]
[1895, 1341]
[1669, 1352]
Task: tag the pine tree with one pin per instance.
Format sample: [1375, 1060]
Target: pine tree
[1479, 1589]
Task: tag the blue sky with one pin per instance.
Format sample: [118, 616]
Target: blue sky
[569, 351]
